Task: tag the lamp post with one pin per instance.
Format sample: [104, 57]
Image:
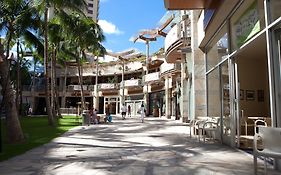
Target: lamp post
[148, 36]
[123, 57]
[96, 91]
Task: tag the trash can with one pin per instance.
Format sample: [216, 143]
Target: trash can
[85, 118]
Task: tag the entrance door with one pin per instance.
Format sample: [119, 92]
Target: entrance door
[276, 92]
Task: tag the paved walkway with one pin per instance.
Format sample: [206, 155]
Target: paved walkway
[128, 147]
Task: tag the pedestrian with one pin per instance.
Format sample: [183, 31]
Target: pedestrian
[30, 111]
[94, 118]
[91, 112]
[123, 111]
[129, 110]
[107, 112]
[142, 111]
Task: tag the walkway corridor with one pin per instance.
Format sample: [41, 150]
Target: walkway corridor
[129, 147]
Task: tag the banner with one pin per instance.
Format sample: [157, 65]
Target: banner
[247, 25]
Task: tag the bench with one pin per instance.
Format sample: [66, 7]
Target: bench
[270, 139]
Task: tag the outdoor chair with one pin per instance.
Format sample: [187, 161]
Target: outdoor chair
[212, 128]
[199, 125]
[247, 140]
[270, 139]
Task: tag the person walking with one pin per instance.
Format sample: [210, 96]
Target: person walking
[129, 110]
[123, 111]
[142, 111]
[107, 112]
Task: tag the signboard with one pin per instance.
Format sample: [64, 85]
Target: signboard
[247, 25]
[107, 86]
[132, 82]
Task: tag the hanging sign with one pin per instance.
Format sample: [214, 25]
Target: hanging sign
[247, 25]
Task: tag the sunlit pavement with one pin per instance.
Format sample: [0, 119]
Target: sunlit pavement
[157, 146]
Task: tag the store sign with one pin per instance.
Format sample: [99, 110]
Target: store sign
[132, 82]
[107, 86]
[247, 25]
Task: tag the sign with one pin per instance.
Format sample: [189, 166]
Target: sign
[247, 25]
[135, 82]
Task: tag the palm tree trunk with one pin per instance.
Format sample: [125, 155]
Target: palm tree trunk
[56, 90]
[14, 131]
[80, 80]
[18, 79]
[48, 106]
[53, 95]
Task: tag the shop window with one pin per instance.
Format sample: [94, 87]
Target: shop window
[217, 50]
[214, 93]
[225, 98]
[275, 6]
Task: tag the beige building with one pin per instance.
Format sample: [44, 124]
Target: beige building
[236, 45]
[93, 9]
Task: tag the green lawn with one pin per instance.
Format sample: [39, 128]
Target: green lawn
[36, 132]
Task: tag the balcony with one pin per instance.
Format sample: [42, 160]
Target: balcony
[152, 77]
[167, 68]
[175, 40]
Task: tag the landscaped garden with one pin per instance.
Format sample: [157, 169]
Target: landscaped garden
[36, 132]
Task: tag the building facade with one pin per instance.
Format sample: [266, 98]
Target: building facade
[240, 42]
[92, 10]
[104, 81]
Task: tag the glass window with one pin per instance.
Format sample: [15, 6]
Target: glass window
[226, 100]
[214, 94]
[275, 6]
[218, 49]
[246, 22]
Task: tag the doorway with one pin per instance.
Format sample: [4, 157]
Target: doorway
[251, 89]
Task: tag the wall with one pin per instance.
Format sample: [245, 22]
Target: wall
[253, 75]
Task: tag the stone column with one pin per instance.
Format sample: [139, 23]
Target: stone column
[199, 70]
[167, 98]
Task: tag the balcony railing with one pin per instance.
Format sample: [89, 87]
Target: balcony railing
[167, 67]
[152, 77]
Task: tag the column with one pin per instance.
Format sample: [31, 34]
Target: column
[167, 97]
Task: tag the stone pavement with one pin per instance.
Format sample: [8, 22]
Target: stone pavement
[128, 147]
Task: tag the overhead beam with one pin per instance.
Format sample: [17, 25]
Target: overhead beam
[185, 4]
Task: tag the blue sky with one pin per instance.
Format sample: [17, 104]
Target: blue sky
[123, 19]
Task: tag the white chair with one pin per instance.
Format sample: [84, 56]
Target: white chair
[199, 125]
[271, 143]
[211, 127]
[192, 125]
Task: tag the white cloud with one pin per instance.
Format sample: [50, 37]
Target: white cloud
[132, 39]
[109, 28]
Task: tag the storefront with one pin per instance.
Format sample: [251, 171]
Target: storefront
[243, 70]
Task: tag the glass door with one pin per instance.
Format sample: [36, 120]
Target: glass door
[234, 105]
[276, 92]
[225, 118]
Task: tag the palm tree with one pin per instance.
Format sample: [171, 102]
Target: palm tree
[84, 35]
[57, 5]
[16, 17]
